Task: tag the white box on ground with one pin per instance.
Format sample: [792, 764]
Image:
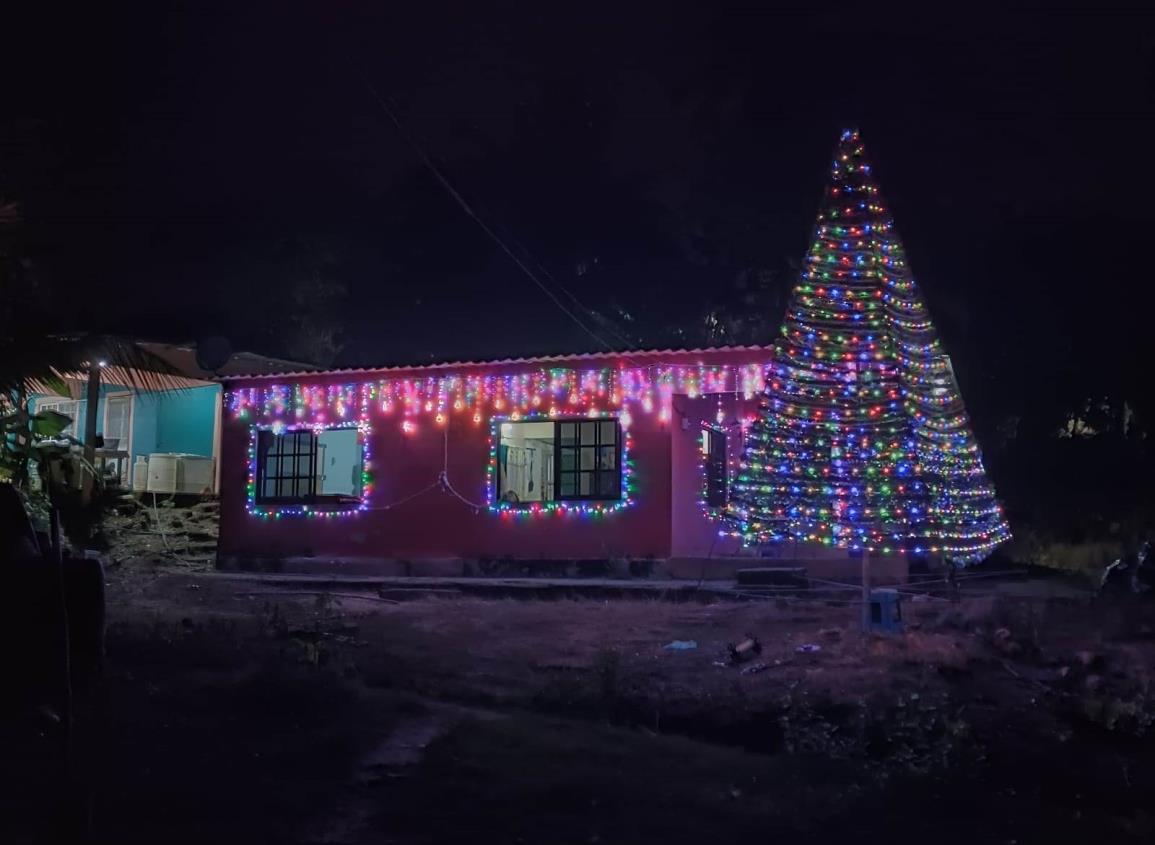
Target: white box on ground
[173, 472]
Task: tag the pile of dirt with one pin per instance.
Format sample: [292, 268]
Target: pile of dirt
[148, 532]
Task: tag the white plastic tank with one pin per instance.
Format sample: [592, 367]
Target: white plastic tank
[172, 472]
[140, 474]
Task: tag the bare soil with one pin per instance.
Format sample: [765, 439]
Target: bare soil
[233, 712]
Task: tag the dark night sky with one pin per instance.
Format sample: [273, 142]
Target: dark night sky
[165, 157]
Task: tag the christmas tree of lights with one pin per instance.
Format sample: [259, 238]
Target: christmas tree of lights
[862, 441]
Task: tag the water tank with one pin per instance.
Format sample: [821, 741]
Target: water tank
[172, 472]
[140, 474]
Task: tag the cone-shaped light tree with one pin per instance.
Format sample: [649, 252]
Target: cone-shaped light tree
[862, 441]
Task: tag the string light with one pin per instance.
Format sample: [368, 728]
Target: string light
[560, 507]
[324, 511]
[584, 392]
[546, 393]
[862, 440]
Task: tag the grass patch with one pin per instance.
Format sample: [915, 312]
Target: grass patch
[537, 779]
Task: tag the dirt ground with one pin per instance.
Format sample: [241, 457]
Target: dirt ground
[237, 712]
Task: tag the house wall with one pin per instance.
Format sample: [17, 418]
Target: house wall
[185, 420]
[436, 531]
[180, 421]
[411, 529]
[82, 408]
[145, 412]
[436, 525]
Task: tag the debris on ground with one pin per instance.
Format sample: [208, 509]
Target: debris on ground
[681, 645]
[831, 634]
[169, 530]
[890, 724]
[807, 648]
[747, 649]
[1010, 643]
[1133, 573]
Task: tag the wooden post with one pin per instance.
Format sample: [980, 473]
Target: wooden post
[865, 590]
[92, 396]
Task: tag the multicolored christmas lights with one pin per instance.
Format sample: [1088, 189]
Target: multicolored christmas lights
[555, 393]
[862, 440]
[561, 507]
[325, 511]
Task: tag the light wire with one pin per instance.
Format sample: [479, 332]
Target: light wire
[468, 209]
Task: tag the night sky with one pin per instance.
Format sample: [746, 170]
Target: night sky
[176, 165]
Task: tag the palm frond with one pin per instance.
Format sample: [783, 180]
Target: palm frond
[30, 363]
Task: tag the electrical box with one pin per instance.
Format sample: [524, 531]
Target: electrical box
[885, 611]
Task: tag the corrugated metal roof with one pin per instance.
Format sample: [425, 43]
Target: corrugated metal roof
[183, 357]
[496, 362]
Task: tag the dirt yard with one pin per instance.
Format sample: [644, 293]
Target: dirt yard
[237, 712]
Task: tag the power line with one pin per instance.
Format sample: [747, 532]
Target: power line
[607, 325]
[445, 183]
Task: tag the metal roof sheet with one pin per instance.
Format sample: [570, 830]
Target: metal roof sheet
[540, 359]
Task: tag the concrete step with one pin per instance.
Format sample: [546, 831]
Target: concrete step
[772, 576]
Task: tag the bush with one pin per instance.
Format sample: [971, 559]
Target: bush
[1088, 557]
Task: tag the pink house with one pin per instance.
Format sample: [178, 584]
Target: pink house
[467, 466]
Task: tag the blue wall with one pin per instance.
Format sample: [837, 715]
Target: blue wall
[145, 411]
[181, 421]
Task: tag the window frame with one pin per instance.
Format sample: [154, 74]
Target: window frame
[52, 403]
[124, 444]
[312, 501]
[577, 448]
[596, 499]
[715, 468]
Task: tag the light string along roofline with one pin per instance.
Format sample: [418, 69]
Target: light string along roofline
[554, 393]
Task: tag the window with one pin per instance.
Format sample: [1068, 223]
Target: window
[117, 422]
[526, 462]
[305, 467]
[69, 407]
[559, 461]
[714, 458]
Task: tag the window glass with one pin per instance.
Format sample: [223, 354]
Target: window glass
[549, 461]
[339, 462]
[117, 413]
[525, 461]
[303, 466]
[714, 456]
[69, 407]
[592, 462]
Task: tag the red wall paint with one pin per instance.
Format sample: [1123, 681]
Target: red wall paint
[437, 524]
[666, 519]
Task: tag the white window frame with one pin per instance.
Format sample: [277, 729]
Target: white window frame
[68, 407]
[127, 445]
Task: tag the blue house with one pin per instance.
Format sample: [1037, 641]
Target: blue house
[141, 415]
